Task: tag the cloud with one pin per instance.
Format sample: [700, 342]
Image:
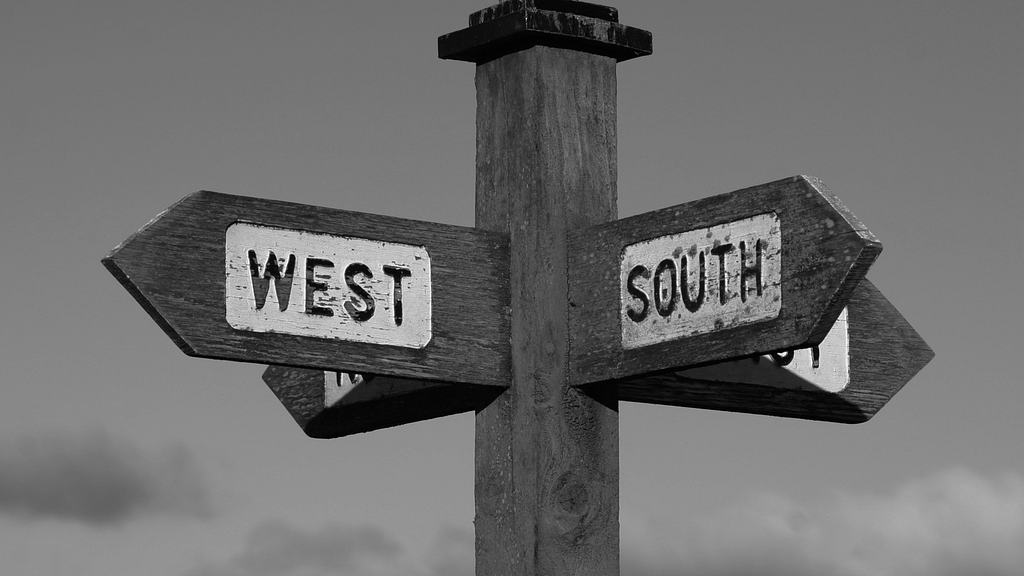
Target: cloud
[94, 478]
[953, 523]
[275, 548]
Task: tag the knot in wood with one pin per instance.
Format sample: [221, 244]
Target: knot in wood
[570, 495]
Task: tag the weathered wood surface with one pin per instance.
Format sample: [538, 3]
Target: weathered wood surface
[328, 404]
[825, 251]
[546, 454]
[519, 24]
[885, 352]
[175, 268]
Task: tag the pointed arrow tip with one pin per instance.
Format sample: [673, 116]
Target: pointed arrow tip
[123, 263]
[840, 207]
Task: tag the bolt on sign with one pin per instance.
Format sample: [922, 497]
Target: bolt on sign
[295, 285]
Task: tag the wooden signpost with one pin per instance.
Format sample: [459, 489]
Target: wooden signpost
[549, 311]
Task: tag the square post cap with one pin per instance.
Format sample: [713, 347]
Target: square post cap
[515, 25]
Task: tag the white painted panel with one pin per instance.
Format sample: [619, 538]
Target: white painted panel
[327, 286]
[831, 372]
[742, 264]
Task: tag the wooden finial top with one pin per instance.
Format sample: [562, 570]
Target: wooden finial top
[519, 24]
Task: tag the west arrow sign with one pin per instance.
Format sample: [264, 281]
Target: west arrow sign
[867, 357]
[255, 280]
[762, 269]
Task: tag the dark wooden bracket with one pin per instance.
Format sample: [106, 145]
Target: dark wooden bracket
[519, 24]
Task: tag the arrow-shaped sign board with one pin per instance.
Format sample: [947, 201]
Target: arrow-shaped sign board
[763, 269]
[867, 357]
[256, 280]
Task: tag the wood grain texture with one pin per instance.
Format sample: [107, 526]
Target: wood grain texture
[546, 454]
[380, 403]
[826, 251]
[885, 353]
[174, 267]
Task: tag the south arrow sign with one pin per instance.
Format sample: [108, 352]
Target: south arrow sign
[762, 269]
[255, 280]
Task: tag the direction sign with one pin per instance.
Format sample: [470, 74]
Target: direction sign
[257, 280]
[761, 269]
[864, 361]
[329, 404]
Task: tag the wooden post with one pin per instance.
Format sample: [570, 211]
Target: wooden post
[547, 460]
[547, 455]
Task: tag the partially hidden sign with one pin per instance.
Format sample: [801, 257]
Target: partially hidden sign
[328, 404]
[821, 368]
[327, 286]
[272, 282]
[758, 270]
[867, 357]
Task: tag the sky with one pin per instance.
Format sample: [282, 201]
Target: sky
[121, 455]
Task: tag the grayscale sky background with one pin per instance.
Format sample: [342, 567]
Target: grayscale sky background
[120, 455]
